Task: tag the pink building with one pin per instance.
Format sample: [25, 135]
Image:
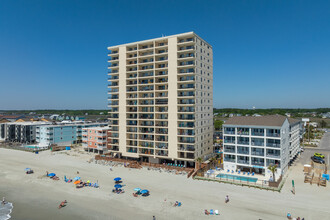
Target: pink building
[95, 139]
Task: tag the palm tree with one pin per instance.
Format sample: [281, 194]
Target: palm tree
[212, 160]
[273, 169]
[199, 161]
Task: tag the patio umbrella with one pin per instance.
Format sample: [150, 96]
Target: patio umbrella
[52, 174]
[137, 189]
[144, 191]
[117, 186]
[27, 169]
[76, 182]
[117, 179]
[77, 178]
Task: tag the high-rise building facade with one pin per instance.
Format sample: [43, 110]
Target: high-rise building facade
[161, 99]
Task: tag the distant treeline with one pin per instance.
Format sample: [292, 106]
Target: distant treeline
[281, 111]
[59, 112]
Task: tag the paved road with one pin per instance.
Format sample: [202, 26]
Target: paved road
[323, 148]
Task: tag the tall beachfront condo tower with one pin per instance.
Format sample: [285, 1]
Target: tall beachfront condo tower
[161, 99]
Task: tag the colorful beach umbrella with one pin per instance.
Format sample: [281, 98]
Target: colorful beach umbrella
[117, 186]
[117, 179]
[78, 181]
[144, 191]
[137, 189]
[77, 178]
[52, 174]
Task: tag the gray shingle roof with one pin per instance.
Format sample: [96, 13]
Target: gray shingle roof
[268, 120]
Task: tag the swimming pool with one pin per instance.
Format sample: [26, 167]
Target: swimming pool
[241, 178]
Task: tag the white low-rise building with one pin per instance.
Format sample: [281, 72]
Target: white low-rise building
[295, 127]
[251, 144]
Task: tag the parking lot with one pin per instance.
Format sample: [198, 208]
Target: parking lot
[323, 148]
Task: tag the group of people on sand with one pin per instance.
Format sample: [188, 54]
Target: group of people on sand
[289, 216]
[206, 212]
[118, 191]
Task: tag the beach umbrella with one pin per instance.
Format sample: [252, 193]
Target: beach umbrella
[27, 169]
[52, 174]
[144, 191]
[77, 178]
[88, 181]
[117, 179]
[118, 186]
[78, 181]
[137, 189]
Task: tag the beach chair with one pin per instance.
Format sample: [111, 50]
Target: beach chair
[216, 212]
[211, 212]
[248, 173]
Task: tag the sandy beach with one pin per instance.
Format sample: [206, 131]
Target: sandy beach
[37, 197]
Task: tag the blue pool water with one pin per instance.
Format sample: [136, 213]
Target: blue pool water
[233, 177]
[32, 147]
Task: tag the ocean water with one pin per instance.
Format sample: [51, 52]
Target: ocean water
[5, 211]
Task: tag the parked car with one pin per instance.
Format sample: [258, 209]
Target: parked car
[317, 160]
[319, 155]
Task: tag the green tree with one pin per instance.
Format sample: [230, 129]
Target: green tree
[218, 125]
[323, 124]
[273, 169]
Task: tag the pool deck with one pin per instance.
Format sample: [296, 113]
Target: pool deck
[260, 178]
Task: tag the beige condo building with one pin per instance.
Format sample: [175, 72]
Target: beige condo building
[161, 99]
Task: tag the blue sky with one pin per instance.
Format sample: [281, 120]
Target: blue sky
[267, 54]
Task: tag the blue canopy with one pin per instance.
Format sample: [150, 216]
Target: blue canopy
[76, 178]
[118, 186]
[137, 189]
[144, 191]
[27, 169]
[117, 179]
[52, 174]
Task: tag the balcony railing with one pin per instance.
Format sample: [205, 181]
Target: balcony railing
[243, 161]
[243, 142]
[273, 135]
[273, 145]
[256, 153]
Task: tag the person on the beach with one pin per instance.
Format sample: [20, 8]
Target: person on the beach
[62, 204]
[153, 218]
[46, 173]
[77, 172]
[227, 199]
[3, 201]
